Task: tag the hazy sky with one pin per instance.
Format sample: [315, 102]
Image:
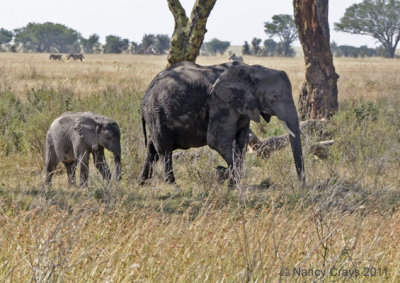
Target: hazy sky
[230, 20]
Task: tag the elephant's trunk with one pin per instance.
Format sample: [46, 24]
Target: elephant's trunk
[295, 142]
[287, 113]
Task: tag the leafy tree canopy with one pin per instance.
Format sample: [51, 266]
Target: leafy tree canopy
[255, 46]
[377, 18]
[269, 47]
[284, 27]
[90, 43]
[47, 37]
[215, 46]
[162, 43]
[246, 48]
[154, 44]
[115, 44]
[5, 36]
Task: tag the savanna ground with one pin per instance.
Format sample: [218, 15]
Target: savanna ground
[344, 225]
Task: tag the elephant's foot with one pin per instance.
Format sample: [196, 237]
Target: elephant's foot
[170, 179]
[141, 180]
[73, 184]
[83, 184]
[231, 184]
[222, 174]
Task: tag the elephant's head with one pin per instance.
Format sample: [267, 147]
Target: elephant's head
[255, 90]
[100, 131]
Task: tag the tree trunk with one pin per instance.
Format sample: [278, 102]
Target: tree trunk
[318, 96]
[188, 33]
[392, 52]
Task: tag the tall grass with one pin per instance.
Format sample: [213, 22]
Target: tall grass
[346, 218]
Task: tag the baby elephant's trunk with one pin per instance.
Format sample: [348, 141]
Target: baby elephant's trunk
[117, 161]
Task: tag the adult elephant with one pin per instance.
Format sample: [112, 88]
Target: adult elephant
[189, 105]
[73, 136]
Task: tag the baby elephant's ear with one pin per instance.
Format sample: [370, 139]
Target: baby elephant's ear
[234, 87]
[88, 130]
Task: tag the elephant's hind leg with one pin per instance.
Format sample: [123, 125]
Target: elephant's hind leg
[51, 163]
[151, 158]
[168, 170]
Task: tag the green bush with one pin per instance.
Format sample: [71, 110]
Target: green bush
[11, 117]
[24, 123]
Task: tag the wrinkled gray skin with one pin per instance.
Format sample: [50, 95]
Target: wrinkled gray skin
[73, 136]
[189, 105]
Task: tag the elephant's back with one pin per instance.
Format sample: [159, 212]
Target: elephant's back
[186, 85]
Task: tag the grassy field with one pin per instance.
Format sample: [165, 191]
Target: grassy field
[343, 226]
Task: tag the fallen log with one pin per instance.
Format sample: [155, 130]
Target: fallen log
[316, 127]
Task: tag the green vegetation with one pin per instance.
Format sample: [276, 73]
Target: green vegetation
[284, 28]
[197, 230]
[377, 18]
[154, 44]
[57, 38]
[355, 52]
[115, 44]
[214, 47]
[5, 36]
[91, 45]
[47, 37]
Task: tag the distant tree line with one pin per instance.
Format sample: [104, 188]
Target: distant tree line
[355, 52]
[57, 38]
[269, 48]
[283, 27]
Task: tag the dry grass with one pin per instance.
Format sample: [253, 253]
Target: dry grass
[345, 219]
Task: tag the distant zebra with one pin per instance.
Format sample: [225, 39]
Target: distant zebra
[76, 56]
[235, 58]
[55, 57]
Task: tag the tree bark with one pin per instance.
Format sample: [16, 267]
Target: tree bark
[188, 34]
[319, 94]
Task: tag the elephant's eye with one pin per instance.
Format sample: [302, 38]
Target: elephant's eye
[107, 135]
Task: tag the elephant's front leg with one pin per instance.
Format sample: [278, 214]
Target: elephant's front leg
[222, 143]
[101, 163]
[241, 141]
[226, 151]
[71, 168]
[221, 133]
[83, 160]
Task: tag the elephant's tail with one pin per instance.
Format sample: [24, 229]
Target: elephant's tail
[144, 130]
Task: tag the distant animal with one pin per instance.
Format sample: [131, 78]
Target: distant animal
[73, 136]
[55, 57]
[188, 105]
[76, 57]
[235, 58]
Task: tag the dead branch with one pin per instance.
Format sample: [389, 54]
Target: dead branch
[311, 127]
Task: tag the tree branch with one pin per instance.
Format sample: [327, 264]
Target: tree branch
[198, 20]
[178, 12]
[312, 127]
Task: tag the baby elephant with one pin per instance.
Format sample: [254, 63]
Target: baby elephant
[73, 136]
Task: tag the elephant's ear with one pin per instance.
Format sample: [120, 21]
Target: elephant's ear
[234, 87]
[88, 129]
